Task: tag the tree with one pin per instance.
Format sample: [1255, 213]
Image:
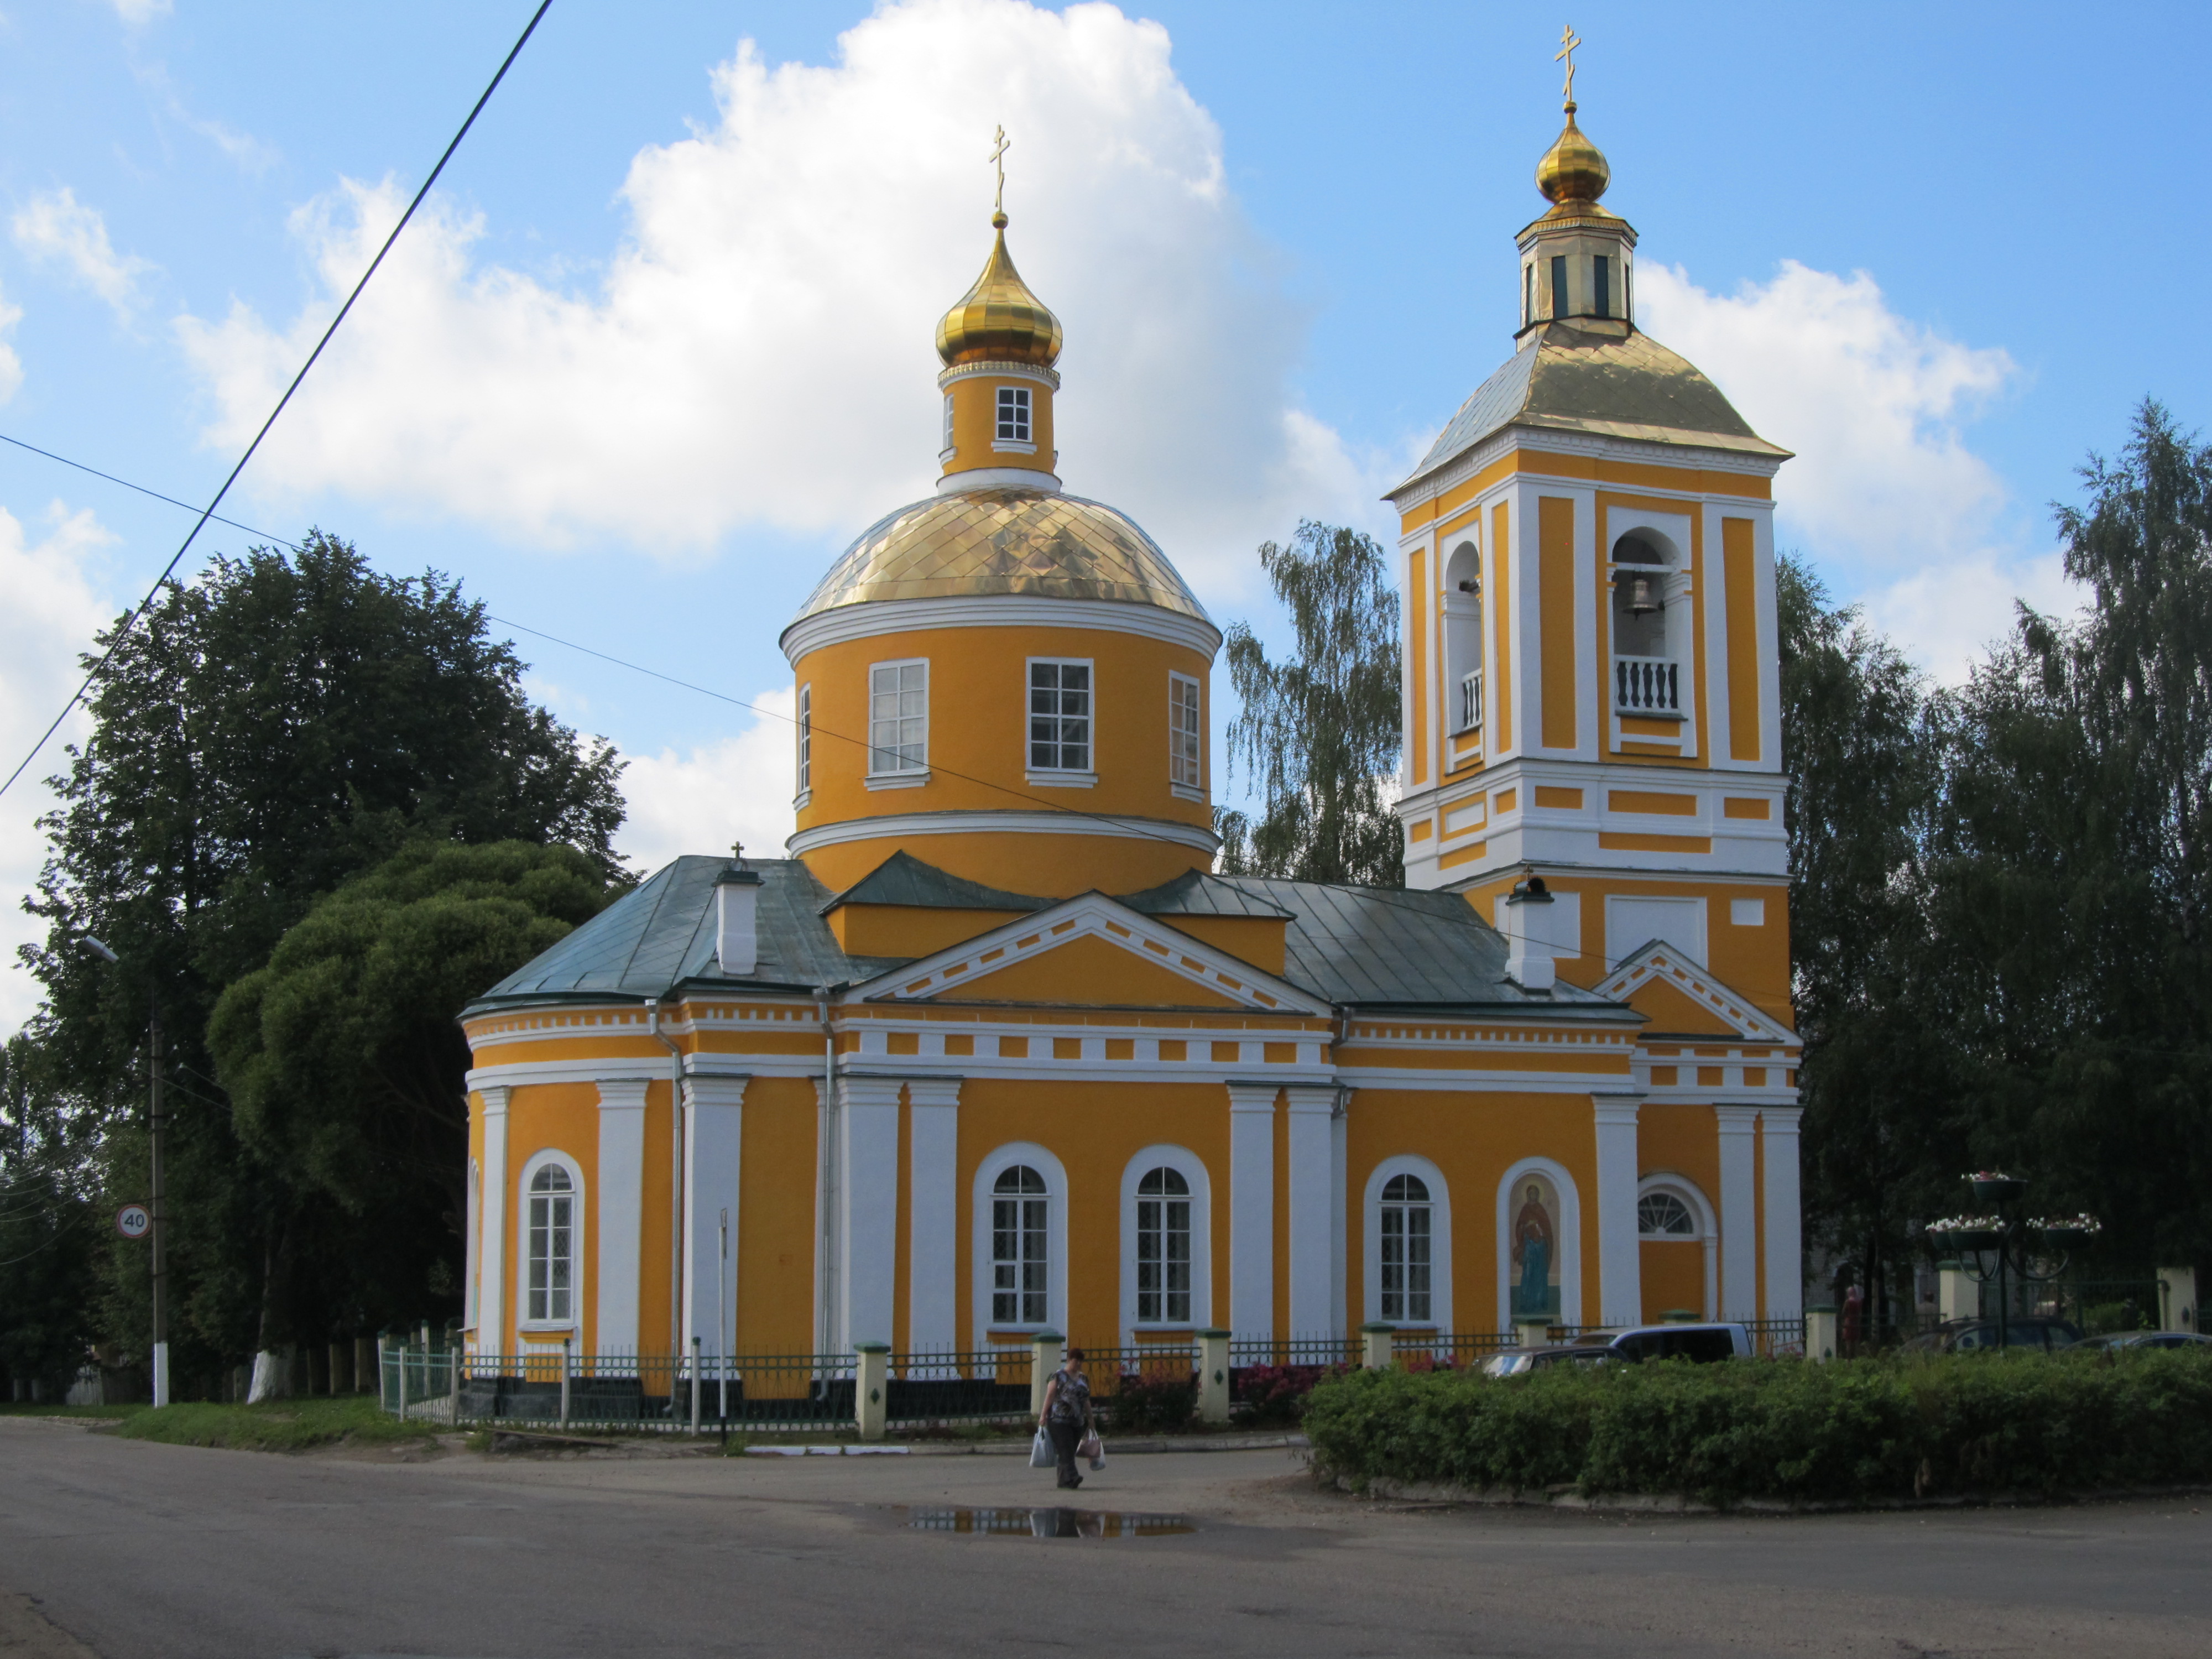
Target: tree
[273, 727]
[1319, 730]
[345, 1063]
[48, 1215]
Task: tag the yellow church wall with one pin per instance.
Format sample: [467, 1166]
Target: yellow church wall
[1472, 1139]
[1056, 866]
[1095, 1129]
[775, 1219]
[1557, 614]
[1091, 970]
[564, 1118]
[1674, 1274]
[1260, 940]
[979, 725]
[1681, 1140]
[656, 1243]
[1739, 587]
[905, 930]
[975, 424]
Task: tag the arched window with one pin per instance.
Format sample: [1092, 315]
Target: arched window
[1407, 1255]
[1663, 1215]
[1644, 674]
[1164, 1248]
[1462, 609]
[1020, 1248]
[552, 1249]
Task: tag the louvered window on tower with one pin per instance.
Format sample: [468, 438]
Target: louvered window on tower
[1014, 414]
[1559, 286]
[1060, 716]
[1602, 285]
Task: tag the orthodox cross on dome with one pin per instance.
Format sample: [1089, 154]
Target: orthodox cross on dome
[999, 145]
[1568, 42]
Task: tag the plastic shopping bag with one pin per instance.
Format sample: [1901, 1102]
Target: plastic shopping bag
[1094, 1449]
[1040, 1454]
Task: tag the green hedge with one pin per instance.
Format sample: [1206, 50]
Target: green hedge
[1850, 1431]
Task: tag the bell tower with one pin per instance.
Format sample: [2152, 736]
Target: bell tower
[1592, 715]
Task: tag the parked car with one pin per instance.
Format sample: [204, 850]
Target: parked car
[1701, 1344]
[1519, 1361]
[2151, 1339]
[1970, 1335]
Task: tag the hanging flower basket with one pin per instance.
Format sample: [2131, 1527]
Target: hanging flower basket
[2069, 1232]
[1992, 1188]
[1965, 1233]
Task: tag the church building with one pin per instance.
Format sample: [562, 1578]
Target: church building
[995, 1051]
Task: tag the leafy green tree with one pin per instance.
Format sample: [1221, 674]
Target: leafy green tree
[342, 1058]
[48, 1222]
[1319, 730]
[280, 724]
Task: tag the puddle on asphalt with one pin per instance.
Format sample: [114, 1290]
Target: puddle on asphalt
[1048, 1522]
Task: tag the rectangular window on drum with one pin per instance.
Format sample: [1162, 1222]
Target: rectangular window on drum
[898, 717]
[1527, 294]
[806, 739]
[1559, 286]
[1185, 732]
[1014, 413]
[1602, 285]
[1060, 716]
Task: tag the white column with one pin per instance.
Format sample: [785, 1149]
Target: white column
[1785, 1241]
[1738, 1212]
[1340, 1212]
[867, 1254]
[713, 1142]
[491, 1295]
[1314, 1311]
[1252, 1209]
[620, 1220]
[1620, 1267]
[932, 1208]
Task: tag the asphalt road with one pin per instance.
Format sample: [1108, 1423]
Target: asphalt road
[145, 1552]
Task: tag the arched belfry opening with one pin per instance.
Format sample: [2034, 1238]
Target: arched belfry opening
[1645, 676]
[1462, 609]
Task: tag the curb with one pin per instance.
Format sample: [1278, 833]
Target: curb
[1567, 1498]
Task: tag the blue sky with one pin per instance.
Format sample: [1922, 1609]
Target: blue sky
[662, 346]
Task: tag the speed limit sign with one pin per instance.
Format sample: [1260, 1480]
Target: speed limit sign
[133, 1221]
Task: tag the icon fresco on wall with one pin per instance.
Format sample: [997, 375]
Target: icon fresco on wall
[1535, 1249]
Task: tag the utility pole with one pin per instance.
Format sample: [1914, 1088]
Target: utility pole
[158, 1122]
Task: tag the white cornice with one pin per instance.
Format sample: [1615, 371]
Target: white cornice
[1000, 477]
[1537, 440]
[893, 825]
[875, 618]
[1001, 370]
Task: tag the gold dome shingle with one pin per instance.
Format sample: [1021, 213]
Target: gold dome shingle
[999, 320]
[1029, 542]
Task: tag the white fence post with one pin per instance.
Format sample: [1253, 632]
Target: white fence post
[566, 1343]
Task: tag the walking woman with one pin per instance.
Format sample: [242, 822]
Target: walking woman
[1066, 1414]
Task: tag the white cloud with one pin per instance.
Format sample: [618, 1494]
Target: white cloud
[1883, 494]
[738, 789]
[55, 226]
[249, 152]
[51, 614]
[11, 366]
[758, 350]
[137, 12]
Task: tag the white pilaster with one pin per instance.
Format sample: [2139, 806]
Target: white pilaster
[491, 1246]
[932, 1208]
[621, 1216]
[714, 1141]
[1785, 1241]
[1314, 1310]
[1620, 1266]
[1252, 1209]
[867, 1254]
[1339, 1290]
[1738, 1126]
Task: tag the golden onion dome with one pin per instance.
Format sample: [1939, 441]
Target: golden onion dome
[1035, 543]
[999, 320]
[1573, 169]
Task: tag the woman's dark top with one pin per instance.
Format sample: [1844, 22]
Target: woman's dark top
[1071, 1400]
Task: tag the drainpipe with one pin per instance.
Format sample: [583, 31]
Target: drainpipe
[676, 1228]
[825, 1292]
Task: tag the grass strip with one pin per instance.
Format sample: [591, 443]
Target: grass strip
[277, 1426]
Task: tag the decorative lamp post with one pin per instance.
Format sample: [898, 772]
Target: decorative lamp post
[2020, 1243]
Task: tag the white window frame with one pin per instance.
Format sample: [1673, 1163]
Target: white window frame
[946, 452]
[1187, 771]
[805, 726]
[549, 1159]
[1192, 1168]
[995, 1163]
[1571, 1239]
[1440, 1241]
[1702, 1214]
[1045, 774]
[900, 767]
[1013, 423]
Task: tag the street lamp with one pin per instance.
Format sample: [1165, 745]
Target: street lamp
[157, 1121]
[2020, 1243]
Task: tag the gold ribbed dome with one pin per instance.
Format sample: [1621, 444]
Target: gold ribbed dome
[999, 320]
[1029, 542]
[1573, 169]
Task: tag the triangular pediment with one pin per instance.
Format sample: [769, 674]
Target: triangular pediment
[1091, 952]
[1678, 996]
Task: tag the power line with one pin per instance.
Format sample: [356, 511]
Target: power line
[208, 512]
[214, 517]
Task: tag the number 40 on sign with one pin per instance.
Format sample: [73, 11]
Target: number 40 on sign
[134, 1221]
